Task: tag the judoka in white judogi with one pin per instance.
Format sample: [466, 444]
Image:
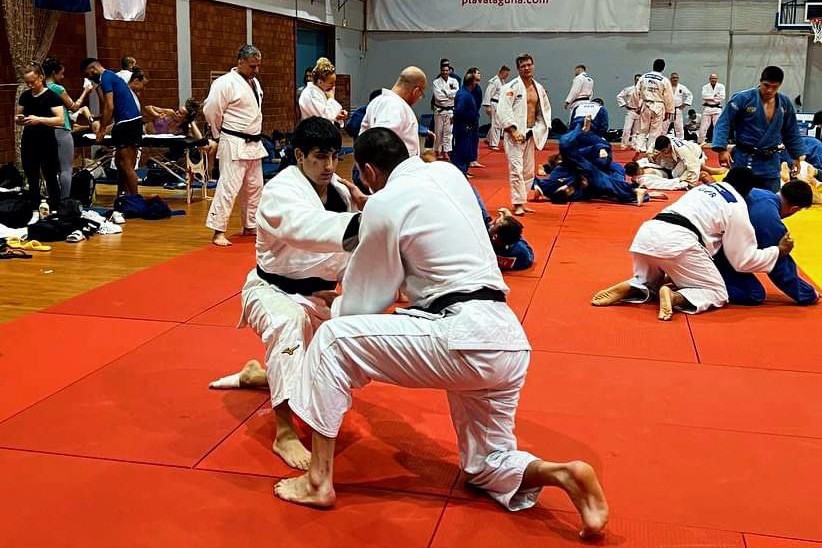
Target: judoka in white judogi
[713, 95]
[683, 99]
[657, 98]
[629, 99]
[393, 111]
[233, 109]
[315, 102]
[683, 158]
[491, 102]
[445, 89]
[582, 88]
[423, 232]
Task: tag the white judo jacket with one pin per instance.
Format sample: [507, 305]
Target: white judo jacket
[721, 216]
[389, 110]
[296, 236]
[231, 103]
[513, 110]
[314, 102]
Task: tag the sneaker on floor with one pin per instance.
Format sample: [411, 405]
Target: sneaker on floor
[117, 218]
[109, 227]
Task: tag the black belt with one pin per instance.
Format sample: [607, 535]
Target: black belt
[680, 220]
[444, 109]
[449, 299]
[581, 99]
[247, 136]
[495, 100]
[710, 105]
[761, 153]
[300, 286]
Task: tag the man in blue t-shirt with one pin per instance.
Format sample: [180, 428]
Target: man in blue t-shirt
[766, 211]
[119, 105]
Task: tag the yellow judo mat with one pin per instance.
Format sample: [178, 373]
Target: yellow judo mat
[805, 229]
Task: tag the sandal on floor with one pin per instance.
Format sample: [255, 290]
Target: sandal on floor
[31, 245]
[11, 253]
[76, 236]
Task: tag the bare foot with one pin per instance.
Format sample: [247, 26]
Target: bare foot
[640, 196]
[475, 164]
[519, 211]
[252, 375]
[657, 195]
[666, 303]
[302, 490]
[292, 451]
[220, 240]
[612, 295]
[580, 482]
[527, 209]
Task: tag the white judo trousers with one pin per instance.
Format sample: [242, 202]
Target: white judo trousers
[710, 116]
[483, 386]
[521, 157]
[443, 130]
[629, 128]
[238, 178]
[678, 123]
[651, 125]
[286, 324]
[495, 130]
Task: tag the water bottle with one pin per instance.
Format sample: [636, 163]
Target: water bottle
[44, 210]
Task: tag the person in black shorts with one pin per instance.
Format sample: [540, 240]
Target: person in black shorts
[120, 105]
[39, 110]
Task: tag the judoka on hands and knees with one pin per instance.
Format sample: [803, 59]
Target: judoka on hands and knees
[306, 222]
[679, 244]
[422, 230]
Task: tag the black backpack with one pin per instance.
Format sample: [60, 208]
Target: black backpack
[15, 210]
[82, 187]
[10, 177]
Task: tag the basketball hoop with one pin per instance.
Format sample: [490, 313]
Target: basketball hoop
[816, 25]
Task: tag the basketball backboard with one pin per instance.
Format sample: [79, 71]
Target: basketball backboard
[794, 14]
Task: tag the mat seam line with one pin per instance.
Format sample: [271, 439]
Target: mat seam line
[224, 438]
[107, 364]
[212, 307]
[693, 340]
[439, 522]
[58, 313]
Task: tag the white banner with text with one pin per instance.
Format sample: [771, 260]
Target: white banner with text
[510, 15]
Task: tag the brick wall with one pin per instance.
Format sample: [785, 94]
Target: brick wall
[7, 93]
[275, 37]
[217, 32]
[69, 45]
[152, 42]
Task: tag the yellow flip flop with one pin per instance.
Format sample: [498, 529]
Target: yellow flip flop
[31, 245]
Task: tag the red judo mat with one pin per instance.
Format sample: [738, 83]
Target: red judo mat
[706, 431]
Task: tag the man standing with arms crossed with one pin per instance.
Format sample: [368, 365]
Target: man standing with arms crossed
[490, 102]
[713, 93]
[233, 109]
[524, 115]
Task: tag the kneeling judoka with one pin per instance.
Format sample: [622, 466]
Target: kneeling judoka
[422, 231]
[766, 211]
[680, 242]
[306, 225]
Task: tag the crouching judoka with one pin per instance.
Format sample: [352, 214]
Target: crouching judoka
[422, 230]
[766, 211]
[306, 224]
[680, 242]
[685, 159]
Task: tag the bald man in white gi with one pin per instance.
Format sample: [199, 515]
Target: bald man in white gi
[490, 101]
[680, 242]
[657, 108]
[422, 230]
[233, 109]
[525, 116]
[582, 88]
[307, 224]
[713, 95]
[392, 109]
[683, 99]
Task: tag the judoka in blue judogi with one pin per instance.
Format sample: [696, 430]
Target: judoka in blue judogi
[757, 138]
[466, 122]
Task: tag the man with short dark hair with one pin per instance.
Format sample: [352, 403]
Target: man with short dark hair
[307, 223]
[582, 88]
[233, 109]
[657, 97]
[766, 211]
[445, 88]
[423, 231]
[525, 116]
[465, 123]
[684, 158]
[119, 106]
[628, 99]
[127, 65]
[761, 119]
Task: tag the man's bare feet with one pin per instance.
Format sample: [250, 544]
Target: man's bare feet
[580, 482]
[527, 209]
[612, 295]
[519, 211]
[475, 164]
[286, 444]
[669, 300]
[219, 239]
[302, 490]
[252, 375]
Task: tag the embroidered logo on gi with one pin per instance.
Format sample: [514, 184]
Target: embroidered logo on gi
[750, 110]
[290, 351]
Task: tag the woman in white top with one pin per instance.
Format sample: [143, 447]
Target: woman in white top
[317, 99]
